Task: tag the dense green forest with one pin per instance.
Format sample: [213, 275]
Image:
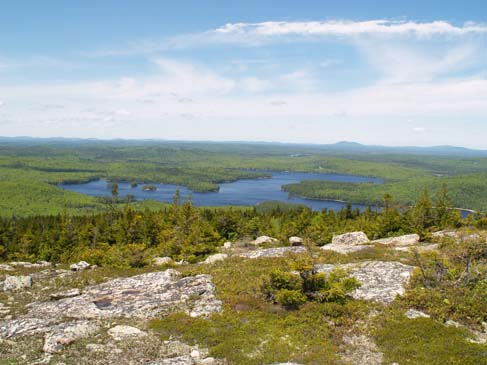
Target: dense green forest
[30, 170]
[127, 237]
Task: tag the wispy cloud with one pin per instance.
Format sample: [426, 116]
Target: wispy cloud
[349, 28]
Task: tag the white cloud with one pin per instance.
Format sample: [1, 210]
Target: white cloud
[348, 28]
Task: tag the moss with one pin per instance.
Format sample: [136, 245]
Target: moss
[256, 337]
[426, 341]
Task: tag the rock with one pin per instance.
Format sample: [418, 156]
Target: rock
[180, 360]
[350, 238]
[66, 333]
[80, 266]
[348, 242]
[413, 313]
[20, 263]
[458, 235]
[380, 281]
[215, 258]
[228, 245]
[273, 252]
[295, 241]
[401, 241]
[120, 333]
[143, 296]
[362, 350]
[29, 265]
[421, 248]
[17, 282]
[451, 323]
[66, 294]
[263, 239]
[5, 267]
[159, 261]
[344, 249]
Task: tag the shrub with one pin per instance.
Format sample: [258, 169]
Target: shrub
[294, 289]
[290, 298]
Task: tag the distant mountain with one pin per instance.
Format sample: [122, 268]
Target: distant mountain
[445, 150]
[342, 147]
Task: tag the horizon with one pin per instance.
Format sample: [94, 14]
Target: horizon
[335, 143]
[408, 74]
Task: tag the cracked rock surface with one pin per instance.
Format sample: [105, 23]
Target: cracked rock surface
[79, 314]
[381, 280]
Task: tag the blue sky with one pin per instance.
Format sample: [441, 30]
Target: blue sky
[376, 72]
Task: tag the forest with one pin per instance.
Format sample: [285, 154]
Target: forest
[30, 171]
[125, 237]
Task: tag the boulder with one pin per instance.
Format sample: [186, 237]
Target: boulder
[263, 239]
[273, 252]
[17, 282]
[121, 333]
[228, 245]
[80, 266]
[295, 241]
[380, 281]
[400, 241]
[160, 261]
[215, 258]
[350, 239]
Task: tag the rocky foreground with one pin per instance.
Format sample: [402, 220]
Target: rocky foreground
[106, 323]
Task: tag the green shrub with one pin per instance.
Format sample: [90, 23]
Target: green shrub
[290, 298]
[294, 289]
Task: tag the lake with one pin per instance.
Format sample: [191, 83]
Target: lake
[246, 192]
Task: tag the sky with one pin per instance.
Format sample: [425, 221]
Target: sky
[375, 72]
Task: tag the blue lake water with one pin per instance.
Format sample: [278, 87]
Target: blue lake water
[247, 192]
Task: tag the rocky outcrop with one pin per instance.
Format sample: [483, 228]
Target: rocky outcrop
[215, 258]
[66, 333]
[273, 252]
[5, 267]
[143, 297]
[400, 241]
[263, 239]
[350, 239]
[295, 241]
[380, 281]
[17, 282]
